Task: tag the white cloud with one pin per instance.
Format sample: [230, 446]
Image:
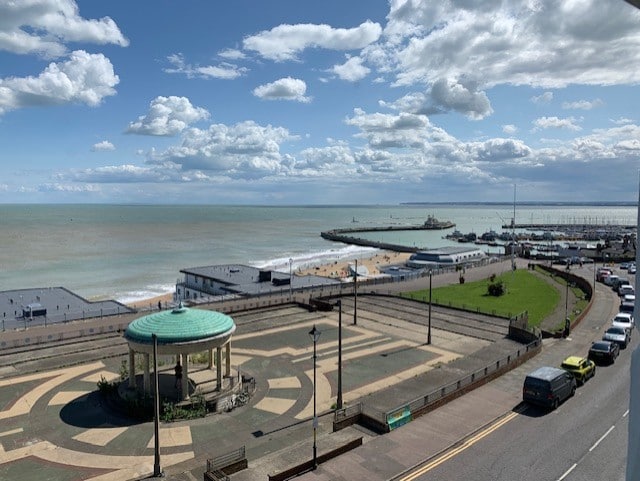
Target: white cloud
[462, 97]
[285, 42]
[544, 98]
[283, 89]
[84, 78]
[509, 129]
[242, 150]
[44, 26]
[622, 121]
[222, 71]
[522, 42]
[232, 54]
[582, 104]
[352, 70]
[167, 116]
[556, 123]
[104, 146]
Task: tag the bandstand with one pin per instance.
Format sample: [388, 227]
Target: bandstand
[180, 332]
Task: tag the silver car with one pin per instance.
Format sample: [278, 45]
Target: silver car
[616, 334]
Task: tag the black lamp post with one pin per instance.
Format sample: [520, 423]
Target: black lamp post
[355, 295]
[429, 330]
[339, 400]
[157, 470]
[315, 335]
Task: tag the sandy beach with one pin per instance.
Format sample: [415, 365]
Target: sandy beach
[336, 269]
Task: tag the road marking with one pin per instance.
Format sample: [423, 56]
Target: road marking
[625, 413]
[455, 451]
[601, 438]
[567, 472]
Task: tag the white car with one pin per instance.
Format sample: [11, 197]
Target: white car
[625, 289]
[632, 269]
[629, 298]
[619, 335]
[623, 319]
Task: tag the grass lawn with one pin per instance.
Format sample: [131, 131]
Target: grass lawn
[523, 292]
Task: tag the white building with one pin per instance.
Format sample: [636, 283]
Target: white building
[445, 257]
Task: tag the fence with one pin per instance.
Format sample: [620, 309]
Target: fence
[219, 467]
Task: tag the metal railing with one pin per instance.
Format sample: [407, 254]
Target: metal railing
[220, 462]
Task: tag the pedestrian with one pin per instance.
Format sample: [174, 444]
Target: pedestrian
[178, 372]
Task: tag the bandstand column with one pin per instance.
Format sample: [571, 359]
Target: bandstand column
[227, 368]
[146, 384]
[185, 376]
[132, 368]
[210, 358]
[219, 368]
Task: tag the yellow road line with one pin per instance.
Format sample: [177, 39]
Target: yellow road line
[457, 450]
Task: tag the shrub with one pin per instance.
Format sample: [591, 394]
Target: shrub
[496, 289]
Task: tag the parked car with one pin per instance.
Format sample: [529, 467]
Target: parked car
[611, 279]
[619, 335]
[548, 386]
[603, 273]
[632, 269]
[624, 289]
[581, 368]
[629, 298]
[620, 281]
[624, 319]
[627, 307]
[604, 351]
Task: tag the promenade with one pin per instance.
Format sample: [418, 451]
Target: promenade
[55, 420]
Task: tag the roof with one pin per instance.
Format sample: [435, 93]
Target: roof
[448, 250]
[546, 372]
[180, 325]
[572, 361]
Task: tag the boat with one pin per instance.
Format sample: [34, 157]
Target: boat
[435, 224]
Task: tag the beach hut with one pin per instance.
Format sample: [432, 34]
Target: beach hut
[180, 332]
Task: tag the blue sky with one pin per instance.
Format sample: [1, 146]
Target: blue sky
[334, 102]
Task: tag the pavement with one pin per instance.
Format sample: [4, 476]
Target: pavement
[56, 420]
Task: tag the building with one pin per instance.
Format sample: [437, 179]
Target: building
[240, 280]
[445, 257]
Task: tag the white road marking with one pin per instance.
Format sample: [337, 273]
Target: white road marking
[567, 472]
[601, 438]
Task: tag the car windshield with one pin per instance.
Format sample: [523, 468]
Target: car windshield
[600, 346]
[616, 330]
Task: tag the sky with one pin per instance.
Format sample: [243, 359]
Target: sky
[292, 102]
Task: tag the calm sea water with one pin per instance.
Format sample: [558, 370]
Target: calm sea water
[133, 252]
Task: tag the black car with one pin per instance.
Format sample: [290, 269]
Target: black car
[604, 351]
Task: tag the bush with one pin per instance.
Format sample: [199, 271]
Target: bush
[105, 387]
[496, 289]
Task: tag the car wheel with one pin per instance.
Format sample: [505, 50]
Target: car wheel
[573, 391]
[555, 403]
[593, 373]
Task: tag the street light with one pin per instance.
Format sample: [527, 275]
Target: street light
[429, 331]
[339, 400]
[290, 278]
[355, 295]
[315, 335]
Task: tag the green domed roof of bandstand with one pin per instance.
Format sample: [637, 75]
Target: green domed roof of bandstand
[179, 325]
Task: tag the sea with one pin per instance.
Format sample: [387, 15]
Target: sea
[135, 252]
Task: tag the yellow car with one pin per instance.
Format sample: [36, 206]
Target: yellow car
[581, 368]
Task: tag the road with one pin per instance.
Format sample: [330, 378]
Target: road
[585, 438]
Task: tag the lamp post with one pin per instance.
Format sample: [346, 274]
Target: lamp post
[315, 335]
[339, 400]
[355, 295]
[290, 278]
[429, 329]
[157, 470]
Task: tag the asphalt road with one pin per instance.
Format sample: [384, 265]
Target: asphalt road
[585, 438]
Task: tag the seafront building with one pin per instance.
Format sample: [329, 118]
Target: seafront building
[241, 280]
[445, 257]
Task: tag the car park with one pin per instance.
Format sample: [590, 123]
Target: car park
[548, 386]
[619, 335]
[623, 319]
[582, 369]
[602, 352]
